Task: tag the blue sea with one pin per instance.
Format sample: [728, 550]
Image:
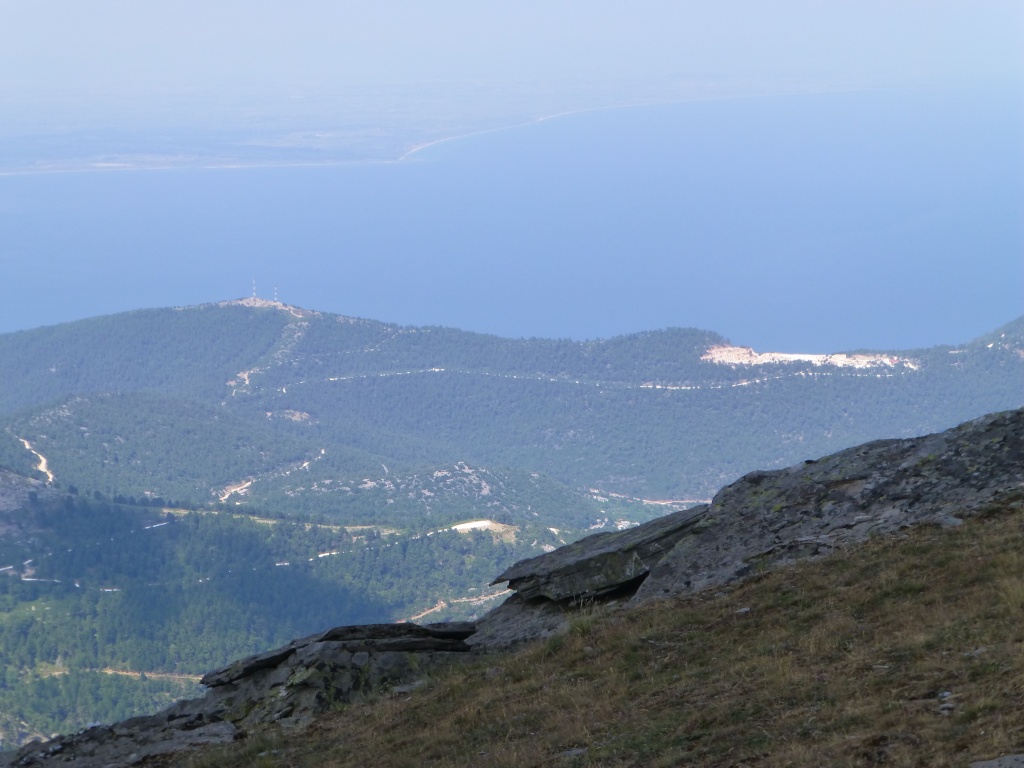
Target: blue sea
[819, 223]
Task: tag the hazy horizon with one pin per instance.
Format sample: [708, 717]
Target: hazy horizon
[114, 46]
[913, 201]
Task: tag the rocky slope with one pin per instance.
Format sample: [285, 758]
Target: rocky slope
[768, 519]
[764, 520]
[15, 490]
[287, 686]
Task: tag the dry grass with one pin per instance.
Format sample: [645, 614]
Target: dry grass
[902, 652]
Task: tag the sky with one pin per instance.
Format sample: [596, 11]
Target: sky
[106, 64]
[53, 47]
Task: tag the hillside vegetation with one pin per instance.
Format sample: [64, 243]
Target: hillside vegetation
[108, 608]
[186, 403]
[904, 651]
[198, 469]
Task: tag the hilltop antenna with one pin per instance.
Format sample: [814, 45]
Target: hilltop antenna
[275, 295]
[254, 287]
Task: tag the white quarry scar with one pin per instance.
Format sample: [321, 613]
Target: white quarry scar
[746, 356]
[43, 466]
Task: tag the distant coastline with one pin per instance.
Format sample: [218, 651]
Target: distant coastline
[776, 210]
[620, 106]
[402, 152]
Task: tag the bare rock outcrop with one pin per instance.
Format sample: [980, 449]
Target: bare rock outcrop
[16, 490]
[518, 620]
[601, 563]
[288, 686]
[549, 587]
[768, 519]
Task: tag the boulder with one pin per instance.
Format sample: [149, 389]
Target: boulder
[550, 587]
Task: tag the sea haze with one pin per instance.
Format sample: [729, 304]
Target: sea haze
[885, 219]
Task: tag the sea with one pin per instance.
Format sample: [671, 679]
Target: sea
[875, 219]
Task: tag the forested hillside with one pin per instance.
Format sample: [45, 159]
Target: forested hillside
[189, 403]
[109, 607]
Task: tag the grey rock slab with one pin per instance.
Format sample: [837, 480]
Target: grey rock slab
[360, 637]
[518, 620]
[251, 664]
[768, 519]
[408, 644]
[600, 563]
[458, 630]
[124, 745]
[1007, 761]
[377, 632]
[288, 686]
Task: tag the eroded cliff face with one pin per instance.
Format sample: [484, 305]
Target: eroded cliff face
[762, 521]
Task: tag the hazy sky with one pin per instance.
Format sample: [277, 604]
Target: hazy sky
[221, 47]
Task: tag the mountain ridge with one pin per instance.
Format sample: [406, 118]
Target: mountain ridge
[360, 393]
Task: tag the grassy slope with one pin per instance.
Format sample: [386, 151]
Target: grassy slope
[905, 651]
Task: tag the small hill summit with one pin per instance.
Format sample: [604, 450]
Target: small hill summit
[761, 523]
[259, 303]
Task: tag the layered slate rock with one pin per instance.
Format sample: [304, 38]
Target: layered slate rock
[127, 743]
[369, 638]
[601, 563]
[768, 519]
[295, 683]
[517, 621]
[600, 567]
[288, 686]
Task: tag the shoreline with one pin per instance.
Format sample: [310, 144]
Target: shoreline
[409, 153]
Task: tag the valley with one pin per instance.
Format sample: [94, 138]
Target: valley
[857, 603]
